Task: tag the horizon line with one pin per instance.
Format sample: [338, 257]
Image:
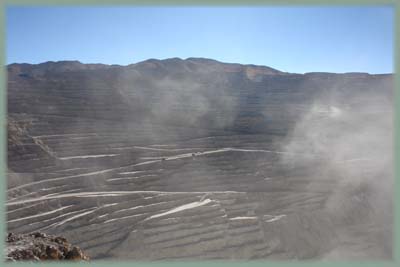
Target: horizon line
[189, 58]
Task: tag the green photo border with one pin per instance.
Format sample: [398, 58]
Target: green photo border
[3, 145]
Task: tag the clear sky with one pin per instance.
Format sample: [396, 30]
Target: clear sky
[293, 39]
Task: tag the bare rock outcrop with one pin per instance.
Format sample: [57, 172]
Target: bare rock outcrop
[39, 246]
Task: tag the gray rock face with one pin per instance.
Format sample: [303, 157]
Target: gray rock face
[198, 159]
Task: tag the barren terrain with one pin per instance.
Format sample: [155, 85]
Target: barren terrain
[198, 159]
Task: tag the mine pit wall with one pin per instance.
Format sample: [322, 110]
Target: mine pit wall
[229, 226]
[259, 208]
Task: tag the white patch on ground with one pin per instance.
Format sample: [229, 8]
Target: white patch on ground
[62, 135]
[243, 218]
[109, 205]
[146, 162]
[89, 156]
[183, 207]
[273, 218]
[154, 148]
[119, 179]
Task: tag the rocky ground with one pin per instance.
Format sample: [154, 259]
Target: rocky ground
[41, 247]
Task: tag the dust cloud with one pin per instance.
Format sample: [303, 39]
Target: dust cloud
[347, 144]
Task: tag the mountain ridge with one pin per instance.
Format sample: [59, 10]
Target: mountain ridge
[174, 60]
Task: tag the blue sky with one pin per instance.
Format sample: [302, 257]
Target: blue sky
[293, 39]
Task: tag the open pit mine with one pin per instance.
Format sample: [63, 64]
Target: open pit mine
[197, 159]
